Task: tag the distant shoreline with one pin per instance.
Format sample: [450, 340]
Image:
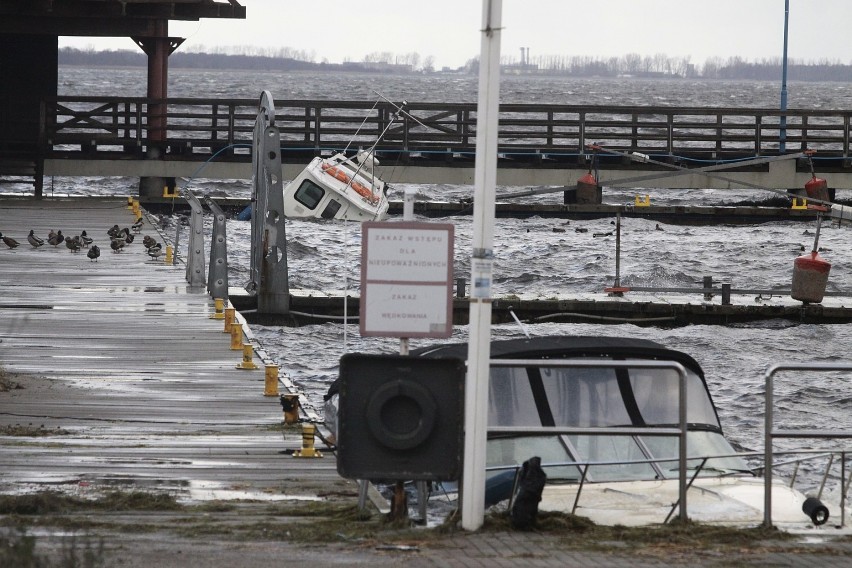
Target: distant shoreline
[733, 69]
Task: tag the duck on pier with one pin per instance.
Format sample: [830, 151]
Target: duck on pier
[94, 252]
[34, 240]
[137, 225]
[85, 239]
[73, 243]
[155, 250]
[56, 238]
[10, 242]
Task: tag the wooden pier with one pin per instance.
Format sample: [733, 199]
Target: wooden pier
[125, 380]
[538, 144]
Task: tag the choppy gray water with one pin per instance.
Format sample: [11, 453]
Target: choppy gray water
[532, 259]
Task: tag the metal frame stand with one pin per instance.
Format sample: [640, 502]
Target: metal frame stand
[268, 272]
[217, 276]
[195, 246]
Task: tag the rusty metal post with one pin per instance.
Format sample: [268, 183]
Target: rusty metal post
[157, 47]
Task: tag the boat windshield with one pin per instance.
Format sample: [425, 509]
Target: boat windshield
[603, 397]
[597, 397]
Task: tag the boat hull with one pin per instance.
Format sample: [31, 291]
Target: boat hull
[336, 188]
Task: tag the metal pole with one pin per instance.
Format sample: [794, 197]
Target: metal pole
[617, 250]
[481, 267]
[816, 236]
[782, 134]
[767, 450]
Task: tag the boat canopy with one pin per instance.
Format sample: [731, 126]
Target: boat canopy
[604, 397]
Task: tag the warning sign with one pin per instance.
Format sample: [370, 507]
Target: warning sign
[406, 279]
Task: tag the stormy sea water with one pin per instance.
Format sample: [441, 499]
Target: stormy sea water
[534, 260]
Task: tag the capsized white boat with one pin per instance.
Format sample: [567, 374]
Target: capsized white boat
[338, 187]
[617, 478]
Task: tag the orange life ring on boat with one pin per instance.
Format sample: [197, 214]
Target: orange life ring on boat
[360, 188]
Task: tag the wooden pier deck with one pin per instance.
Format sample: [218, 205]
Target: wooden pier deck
[125, 380]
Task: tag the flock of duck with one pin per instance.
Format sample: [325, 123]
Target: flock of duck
[118, 239]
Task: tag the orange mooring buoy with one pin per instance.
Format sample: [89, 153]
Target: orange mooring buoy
[588, 190]
[810, 276]
[817, 188]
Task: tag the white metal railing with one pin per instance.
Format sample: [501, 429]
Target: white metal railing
[771, 433]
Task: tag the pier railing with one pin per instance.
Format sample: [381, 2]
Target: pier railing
[538, 133]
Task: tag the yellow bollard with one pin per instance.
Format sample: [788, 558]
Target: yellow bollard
[799, 203]
[169, 193]
[639, 201]
[248, 353]
[136, 208]
[236, 336]
[307, 451]
[290, 405]
[130, 202]
[270, 382]
[169, 255]
[219, 304]
[229, 319]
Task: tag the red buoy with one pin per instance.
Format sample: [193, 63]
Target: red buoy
[817, 188]
[588, 190]
[810, 276]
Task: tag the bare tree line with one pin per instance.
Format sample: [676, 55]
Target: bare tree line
[631, 64]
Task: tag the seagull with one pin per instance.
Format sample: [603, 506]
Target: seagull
[94, 252]
[56, 239]
[85, 239]
[137, 226]
[10, 242]
[34, 240]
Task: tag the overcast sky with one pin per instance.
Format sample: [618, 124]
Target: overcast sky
[448, 30]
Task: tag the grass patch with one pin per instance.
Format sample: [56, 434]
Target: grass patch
[32, 431]
[340, 521]
[6, 382]
[50, 502]
[582, 533]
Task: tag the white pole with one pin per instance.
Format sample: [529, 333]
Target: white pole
[407, 215]
[479, 343]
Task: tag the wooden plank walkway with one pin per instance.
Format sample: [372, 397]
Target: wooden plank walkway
[123, 358]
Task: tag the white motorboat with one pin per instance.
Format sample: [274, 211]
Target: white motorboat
[338, 187]
[616, 475]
